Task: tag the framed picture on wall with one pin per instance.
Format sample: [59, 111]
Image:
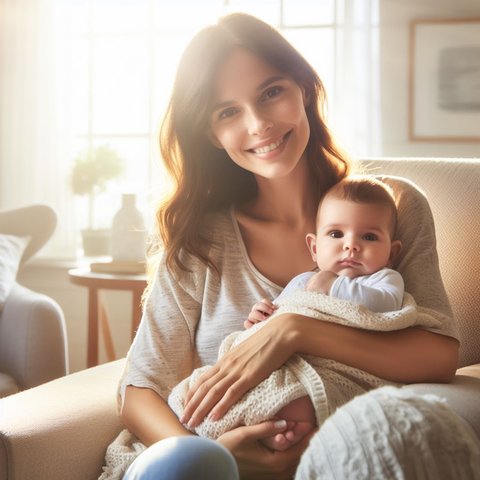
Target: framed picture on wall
[444, 82]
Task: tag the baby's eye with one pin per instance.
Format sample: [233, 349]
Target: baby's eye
[335, 234]
[272, 92]
[370, 237]
[227, 113]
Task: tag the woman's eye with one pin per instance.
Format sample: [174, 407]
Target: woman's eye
[370, 237]
[272, 92]
[227, 113]
[335, 234]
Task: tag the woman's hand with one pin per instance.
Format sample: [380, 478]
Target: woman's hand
[254, 460]
[239, 370]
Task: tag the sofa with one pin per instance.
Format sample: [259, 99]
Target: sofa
[33, 342]
[61, 429]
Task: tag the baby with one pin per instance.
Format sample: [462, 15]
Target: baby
[355, 248]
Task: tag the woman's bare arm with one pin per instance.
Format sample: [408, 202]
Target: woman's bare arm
[405, 356]
[148, 416]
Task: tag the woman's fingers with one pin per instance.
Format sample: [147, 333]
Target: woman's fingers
[208, 384]
[232, 394]
[206, 397]
[255, 461]
[215, 394]
[253, 433]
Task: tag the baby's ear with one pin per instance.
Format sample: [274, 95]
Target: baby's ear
[311, 240]
[394, 252]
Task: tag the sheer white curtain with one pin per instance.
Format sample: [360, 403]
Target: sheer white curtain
[37, 146]
[355, 104]
[32, 133]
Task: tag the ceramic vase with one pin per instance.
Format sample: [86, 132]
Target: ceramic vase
[128, 241]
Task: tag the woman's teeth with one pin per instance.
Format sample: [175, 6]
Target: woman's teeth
[269, 148]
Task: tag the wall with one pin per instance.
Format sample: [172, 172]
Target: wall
[395, 16]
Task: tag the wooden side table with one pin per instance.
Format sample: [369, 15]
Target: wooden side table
[97, 315]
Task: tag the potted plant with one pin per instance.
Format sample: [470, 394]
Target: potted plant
[91, 172]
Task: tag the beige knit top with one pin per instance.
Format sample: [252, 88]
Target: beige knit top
[185, 320]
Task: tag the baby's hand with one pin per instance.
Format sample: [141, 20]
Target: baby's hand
[260, 312]
[321, 282]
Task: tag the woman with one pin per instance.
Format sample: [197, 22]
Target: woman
[246, 142]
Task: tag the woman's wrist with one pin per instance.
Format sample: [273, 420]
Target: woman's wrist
[290, 332]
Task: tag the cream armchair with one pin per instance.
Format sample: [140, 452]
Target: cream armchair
[61, 429]
[33, 346]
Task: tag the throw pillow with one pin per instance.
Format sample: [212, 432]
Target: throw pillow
[11, 251]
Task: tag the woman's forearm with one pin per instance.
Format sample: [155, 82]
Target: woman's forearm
[406, 356]
[148, 417]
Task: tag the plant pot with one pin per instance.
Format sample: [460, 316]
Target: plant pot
[96, 242]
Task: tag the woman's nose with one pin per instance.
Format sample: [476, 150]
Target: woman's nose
[258, 124]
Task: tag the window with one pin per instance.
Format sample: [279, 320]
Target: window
[102, 73]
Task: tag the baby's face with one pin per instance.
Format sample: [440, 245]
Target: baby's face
[352, 239]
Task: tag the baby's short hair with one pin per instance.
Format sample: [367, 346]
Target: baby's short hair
[365, 189]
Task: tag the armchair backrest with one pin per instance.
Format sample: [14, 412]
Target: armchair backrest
[452, 187]
[36, 221]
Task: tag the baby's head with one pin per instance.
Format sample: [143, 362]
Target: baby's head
[356, 225]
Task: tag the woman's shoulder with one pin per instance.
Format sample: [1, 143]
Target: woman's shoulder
[219, 220]
[214, 229]
[220, 230]
[219, 236]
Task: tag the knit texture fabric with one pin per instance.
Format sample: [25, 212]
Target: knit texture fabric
[329, 384]
[120, 455]
[394, 434]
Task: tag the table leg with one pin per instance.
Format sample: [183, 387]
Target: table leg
[92, 350]
[105, 327]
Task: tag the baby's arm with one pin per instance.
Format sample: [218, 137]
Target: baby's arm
[260, 312]
[321, 282]
[379, 292]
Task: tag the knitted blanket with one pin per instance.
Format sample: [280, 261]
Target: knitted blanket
[328, 383]
[393, 433]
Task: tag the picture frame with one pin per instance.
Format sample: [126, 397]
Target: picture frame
[444, 80]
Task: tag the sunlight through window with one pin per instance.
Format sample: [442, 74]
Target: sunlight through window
[118, 62]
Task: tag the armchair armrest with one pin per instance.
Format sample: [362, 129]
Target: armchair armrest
[33, 345]
[60, 429]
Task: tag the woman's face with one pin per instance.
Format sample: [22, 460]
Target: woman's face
[258, 116]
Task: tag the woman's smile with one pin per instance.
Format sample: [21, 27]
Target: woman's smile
[268, 147]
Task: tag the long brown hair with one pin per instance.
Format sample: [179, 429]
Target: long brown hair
[205, 178]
